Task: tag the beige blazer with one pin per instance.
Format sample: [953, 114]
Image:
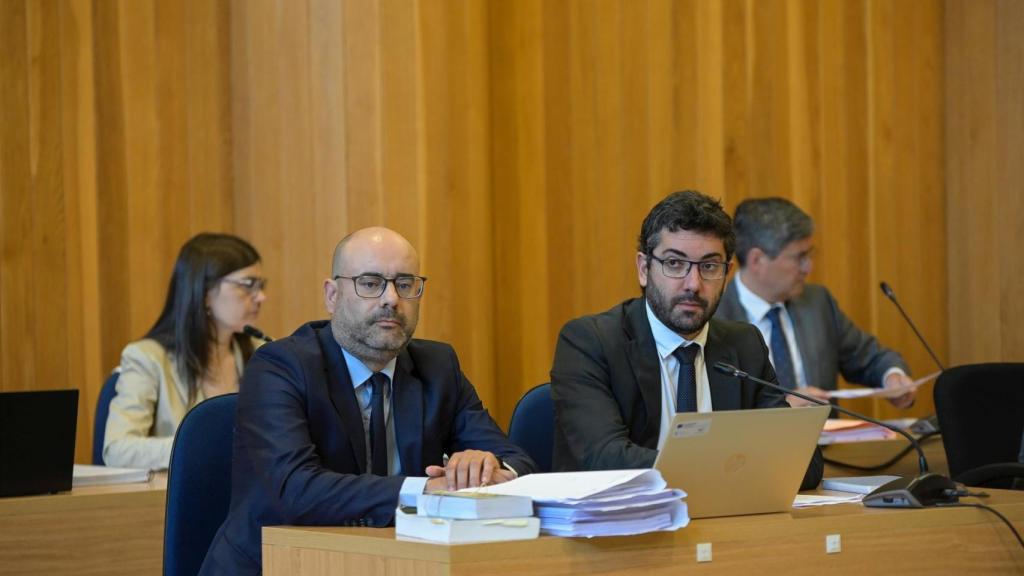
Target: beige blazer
[151, 400]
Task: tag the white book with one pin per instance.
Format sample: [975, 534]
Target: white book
[473, 505]
[857, 484]
[89, 475]
[455, 531]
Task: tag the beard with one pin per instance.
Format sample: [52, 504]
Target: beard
[680, 321]
[365, 340]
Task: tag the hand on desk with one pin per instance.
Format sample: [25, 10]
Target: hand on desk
[467, 469]
[809, 391]
[901, 380]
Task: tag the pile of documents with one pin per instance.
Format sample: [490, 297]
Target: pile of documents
[467, 517]
[847, 430]
[600, 503]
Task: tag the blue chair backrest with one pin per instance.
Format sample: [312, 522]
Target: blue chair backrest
[198, 483]
[533, 423]
[99, 425]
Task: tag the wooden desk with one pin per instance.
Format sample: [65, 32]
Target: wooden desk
[878, 451]
[943, 540]
[104, 530]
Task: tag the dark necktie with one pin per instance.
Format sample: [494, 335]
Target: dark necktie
[378, 426]
[686, 392]
[780, 351]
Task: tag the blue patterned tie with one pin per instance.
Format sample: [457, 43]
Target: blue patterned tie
[378, 427]
[780, 351]
[686, 391]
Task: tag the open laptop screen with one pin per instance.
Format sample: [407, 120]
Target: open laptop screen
[740, 461]
[37, 441]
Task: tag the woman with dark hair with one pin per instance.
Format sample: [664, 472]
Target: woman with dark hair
[195, 349]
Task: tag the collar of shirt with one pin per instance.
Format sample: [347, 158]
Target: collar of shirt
[359, 373]
[757, 308]
[667, 340]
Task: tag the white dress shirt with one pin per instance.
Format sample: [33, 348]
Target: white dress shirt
[666, 340]
[757, 309]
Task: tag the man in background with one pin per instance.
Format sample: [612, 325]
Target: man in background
[810, 340]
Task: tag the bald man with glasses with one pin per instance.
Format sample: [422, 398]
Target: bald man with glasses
[345, 417]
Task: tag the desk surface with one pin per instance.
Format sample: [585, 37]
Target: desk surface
[946, 540]
[107, 530]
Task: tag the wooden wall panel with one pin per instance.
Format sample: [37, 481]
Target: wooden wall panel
[518, 145]
[985, 212]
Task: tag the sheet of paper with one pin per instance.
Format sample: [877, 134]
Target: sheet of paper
[807, 500]
[568, 486]
[881, 392]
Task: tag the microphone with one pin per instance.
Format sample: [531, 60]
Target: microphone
[731, 370]
[255, 332]
[887, 290]
[924, 490]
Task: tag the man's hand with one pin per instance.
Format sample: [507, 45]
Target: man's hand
[467, 469]
[900, 380]
[809, 391]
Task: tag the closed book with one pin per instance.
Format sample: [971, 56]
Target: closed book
[857, 484]
[454, 531]
[473, 505]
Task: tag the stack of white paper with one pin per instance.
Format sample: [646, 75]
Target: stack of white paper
[600, 503]
[89, 475]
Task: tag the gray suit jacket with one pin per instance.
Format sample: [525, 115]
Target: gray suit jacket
[829, 342]
[606, 386]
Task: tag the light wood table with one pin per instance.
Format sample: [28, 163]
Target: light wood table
[875, 452]
[873, 541]
[106, 530]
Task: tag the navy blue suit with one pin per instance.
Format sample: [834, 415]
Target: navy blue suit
[299, 451]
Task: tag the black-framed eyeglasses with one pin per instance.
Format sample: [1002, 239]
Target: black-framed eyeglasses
[373, 285]
[251, 284]
[675, 267]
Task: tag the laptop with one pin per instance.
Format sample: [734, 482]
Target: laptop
[37, 441]
[740, 461]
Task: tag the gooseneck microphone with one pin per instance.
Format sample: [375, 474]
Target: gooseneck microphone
[731, 370]
[255, 332]
[927, 489]
[887, 290]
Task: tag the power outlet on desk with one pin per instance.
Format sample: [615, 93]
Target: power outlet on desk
[833, 544]
[704, 552]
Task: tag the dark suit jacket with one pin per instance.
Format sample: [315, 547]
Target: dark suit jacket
[829, 343]
[299, 451]
[606, 386]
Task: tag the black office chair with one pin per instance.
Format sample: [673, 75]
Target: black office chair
[533, 424]
[198, 483]
[981, 414]
[99, 424]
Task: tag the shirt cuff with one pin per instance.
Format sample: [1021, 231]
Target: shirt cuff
[893, 370]
[411, 488]
[509, 467]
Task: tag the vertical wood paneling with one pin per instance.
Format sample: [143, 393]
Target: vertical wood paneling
[985, 214]
[517, 144]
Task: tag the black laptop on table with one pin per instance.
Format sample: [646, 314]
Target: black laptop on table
[37, 441]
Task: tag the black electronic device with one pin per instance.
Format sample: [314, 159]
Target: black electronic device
[37, 441]
[919, 492]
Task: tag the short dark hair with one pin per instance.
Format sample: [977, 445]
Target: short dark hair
[183, 327]
[769, 224]
[687, 210]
